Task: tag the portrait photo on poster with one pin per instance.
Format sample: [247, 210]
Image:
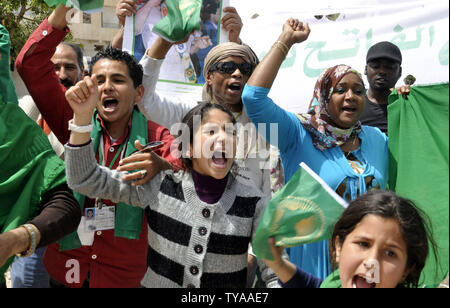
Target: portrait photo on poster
[183, 63]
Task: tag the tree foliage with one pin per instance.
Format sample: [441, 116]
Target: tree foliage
[21, 18]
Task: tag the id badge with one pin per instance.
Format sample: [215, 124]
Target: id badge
[101, 217]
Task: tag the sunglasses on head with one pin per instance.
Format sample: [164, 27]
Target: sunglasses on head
[230, 67]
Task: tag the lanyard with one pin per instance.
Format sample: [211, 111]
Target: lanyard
[102, 157]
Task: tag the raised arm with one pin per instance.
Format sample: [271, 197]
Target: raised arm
[84, 175]
[38, 72]
[258, 106]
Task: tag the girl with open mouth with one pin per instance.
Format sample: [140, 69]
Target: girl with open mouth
[201, 220]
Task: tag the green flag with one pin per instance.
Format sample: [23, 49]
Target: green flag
[418, 129]
[7, 88]
[303, 211]
[183, 17]
[83, 5]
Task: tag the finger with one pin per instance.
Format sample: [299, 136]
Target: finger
[130, 166]
[230, 16]
[230, 9]
[89, 85]
[127, 9]
[85, 87]
[137, 157]
[79, 93]
[274, 249]
[138, 145]
[231, 21]
[135, 176]
[94, 86]
[141, 181]
[72, 97]
[307, 29]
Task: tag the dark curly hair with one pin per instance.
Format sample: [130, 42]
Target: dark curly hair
[134, 68]
[414, 224]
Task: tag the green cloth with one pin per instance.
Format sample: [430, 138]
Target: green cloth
[128, 220]
[183, 17]
[333, 281]
[7, 89]
[303, 211]
[29, 168]
[83, 5]
[418, 129]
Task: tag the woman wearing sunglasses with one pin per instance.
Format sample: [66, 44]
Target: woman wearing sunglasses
[226, 70]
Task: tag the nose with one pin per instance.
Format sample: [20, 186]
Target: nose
[372, 266]
[107, 86]
[237, 73]
[61, 73]
[349, 94]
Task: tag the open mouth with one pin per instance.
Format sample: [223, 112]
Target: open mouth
[219, 159]
[349, 109]
[235, 87]
[110, 104]
[360, 282]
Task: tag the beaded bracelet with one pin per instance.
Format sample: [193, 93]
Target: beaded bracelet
[32, 248]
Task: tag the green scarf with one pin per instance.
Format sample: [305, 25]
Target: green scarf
[333, 281]
[128, 220]
[29, 168]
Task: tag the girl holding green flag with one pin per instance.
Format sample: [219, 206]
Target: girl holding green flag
[380, 241]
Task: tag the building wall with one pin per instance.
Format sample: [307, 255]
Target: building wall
[99, 32]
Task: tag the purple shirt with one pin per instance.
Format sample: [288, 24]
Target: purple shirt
[209, 189]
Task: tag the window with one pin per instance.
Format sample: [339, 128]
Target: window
[86, 18]
[109, 18]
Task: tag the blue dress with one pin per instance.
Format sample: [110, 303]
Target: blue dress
[295, 145]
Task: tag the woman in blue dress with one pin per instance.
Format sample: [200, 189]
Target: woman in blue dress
[329, 138]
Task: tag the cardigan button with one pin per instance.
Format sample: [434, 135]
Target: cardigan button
[194, 270]
[198, 249]
[202, 231]
[206, 213]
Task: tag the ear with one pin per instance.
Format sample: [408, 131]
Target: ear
[407, 272]
[338, 246]
[365, 70]
[399, 71]
[209, 78]
[139, 93]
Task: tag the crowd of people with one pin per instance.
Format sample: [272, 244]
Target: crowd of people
[177, 187]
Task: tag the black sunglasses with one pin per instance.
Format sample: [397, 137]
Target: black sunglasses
[230, 67]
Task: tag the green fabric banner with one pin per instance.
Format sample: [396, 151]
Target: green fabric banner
[29, 168]
[418, 129]
[83, 5]
[303, 211]
[7, 88]
[183, 17]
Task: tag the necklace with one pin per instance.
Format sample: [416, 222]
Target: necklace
[353, 143]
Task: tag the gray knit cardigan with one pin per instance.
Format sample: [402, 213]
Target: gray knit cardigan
[191, 243]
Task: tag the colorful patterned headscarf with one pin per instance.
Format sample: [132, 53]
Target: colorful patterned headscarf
[324, 135]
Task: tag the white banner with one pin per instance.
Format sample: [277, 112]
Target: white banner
[342, 32]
